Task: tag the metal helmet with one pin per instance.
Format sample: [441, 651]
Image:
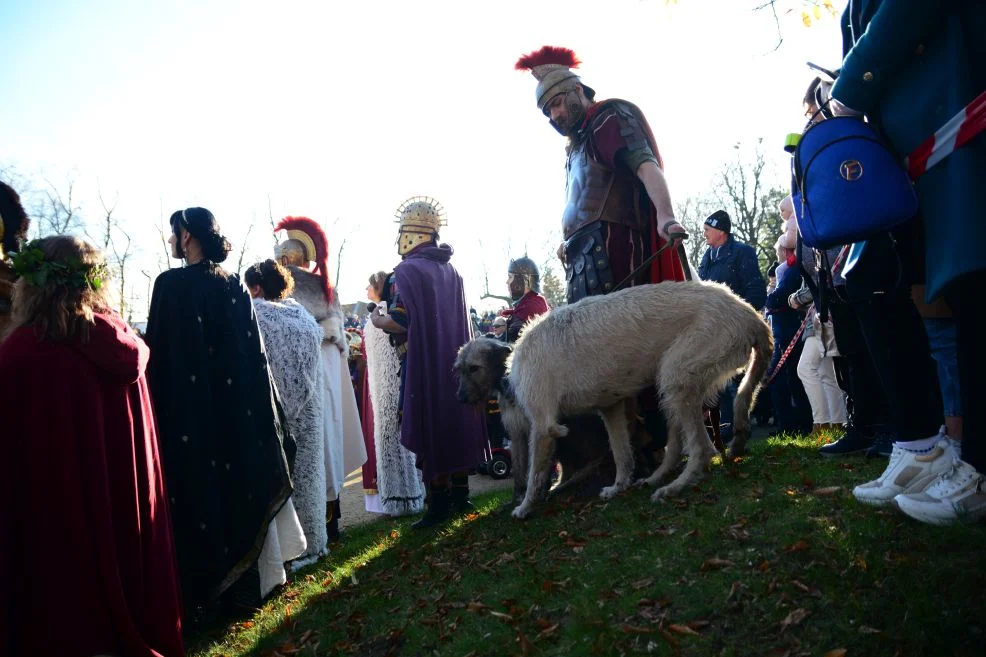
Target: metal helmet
[419, 219]
[528, 269]
[552, 68]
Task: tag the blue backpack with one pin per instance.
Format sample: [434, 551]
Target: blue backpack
[847, 186]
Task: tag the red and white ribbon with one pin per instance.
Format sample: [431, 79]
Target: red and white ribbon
[959, 131]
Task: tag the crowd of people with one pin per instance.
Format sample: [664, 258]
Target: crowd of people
[193, 467]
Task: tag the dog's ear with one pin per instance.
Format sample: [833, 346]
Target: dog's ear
[500, 350]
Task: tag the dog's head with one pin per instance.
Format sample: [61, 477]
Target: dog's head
[481, 364]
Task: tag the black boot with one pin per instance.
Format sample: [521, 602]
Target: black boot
[438, 511]
[459, 495]
[333, 510]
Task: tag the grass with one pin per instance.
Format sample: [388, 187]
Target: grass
[768, 556]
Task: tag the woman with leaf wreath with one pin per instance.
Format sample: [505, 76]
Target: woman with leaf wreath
[87, 563]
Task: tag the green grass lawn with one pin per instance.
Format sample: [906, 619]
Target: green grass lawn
[768, 556]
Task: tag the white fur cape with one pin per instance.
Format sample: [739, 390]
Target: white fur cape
[398, 481]
[293, 342]
[344, 447]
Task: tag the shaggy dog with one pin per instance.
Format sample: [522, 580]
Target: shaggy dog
[686, 338]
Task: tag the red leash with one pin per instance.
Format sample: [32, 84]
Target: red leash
[790, 348]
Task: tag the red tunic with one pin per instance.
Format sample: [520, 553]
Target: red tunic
[627, 247]
[87, 564]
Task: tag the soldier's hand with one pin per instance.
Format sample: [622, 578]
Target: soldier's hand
[561, 252]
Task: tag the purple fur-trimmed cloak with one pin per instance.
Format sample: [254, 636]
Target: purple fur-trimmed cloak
[445, 435]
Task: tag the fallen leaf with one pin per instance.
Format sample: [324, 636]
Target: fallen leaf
[247, 625]
[777, 652]
[682, 629]
[670, 638]
[698, 624]
[715, 563]
[863, 629]
[502, 616]
[635, 629]
[801, 586]
[526, 647]
[642, 583]
[734, 590]
[546, 632]
[693, 533]
[475, 606]
[799, 546]
[828, 490]
[764, 567]
[794, 618]
[838, 652]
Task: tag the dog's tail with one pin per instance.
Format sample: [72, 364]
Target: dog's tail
[746, 394]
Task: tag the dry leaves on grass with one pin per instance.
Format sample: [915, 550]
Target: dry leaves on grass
[838, 652]
[794, 618]
[715, 563]
[827, 491]
[799, 546]
[682, 629]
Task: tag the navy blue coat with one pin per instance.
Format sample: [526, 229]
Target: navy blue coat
[911, 65]
[735, 264]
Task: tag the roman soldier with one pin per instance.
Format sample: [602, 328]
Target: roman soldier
[305, 252]
[428, 305]
[619, 208]
[618, 213]
[13, 229]
[524, 283]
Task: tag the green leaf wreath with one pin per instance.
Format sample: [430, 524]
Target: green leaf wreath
[31, 265]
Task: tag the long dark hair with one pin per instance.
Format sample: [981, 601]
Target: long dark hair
[15, 220]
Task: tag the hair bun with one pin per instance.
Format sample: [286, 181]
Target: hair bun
[216, 248]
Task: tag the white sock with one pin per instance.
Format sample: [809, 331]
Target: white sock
[920, 446]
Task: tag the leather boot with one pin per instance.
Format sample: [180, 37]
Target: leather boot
[332, 512]
[438, 511]
[459, 495]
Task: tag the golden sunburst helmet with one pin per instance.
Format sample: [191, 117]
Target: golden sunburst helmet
[419, 219]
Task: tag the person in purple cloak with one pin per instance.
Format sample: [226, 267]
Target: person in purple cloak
[427, 314]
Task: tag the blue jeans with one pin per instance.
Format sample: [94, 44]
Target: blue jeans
[941, 337]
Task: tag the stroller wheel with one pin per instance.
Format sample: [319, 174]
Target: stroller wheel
[499, 466]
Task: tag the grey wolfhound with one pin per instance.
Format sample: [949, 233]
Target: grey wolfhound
[687, 338]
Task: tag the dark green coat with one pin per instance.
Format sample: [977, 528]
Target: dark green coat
[911, 65]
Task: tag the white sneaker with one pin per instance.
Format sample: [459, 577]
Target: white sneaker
[907, 472]
[958, 494]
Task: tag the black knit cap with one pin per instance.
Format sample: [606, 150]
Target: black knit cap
[719, 219]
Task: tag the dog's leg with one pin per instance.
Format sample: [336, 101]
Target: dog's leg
[672, 455]
[521, 458]
[615, 419]
[700, 450]
[542, 450]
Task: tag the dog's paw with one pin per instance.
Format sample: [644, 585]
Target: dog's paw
[642, 482]
[522, 511]
[662, 494]
[609, 492]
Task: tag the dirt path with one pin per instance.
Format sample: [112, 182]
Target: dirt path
[354, 508]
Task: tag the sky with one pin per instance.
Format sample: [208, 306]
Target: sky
[342, 110]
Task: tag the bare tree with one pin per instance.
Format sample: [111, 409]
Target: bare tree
[273, 224]
[117, 242]
[243, 245]
[692, 213]
[58, 210]
[745, 189]
[486, 276]
[335, 281]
